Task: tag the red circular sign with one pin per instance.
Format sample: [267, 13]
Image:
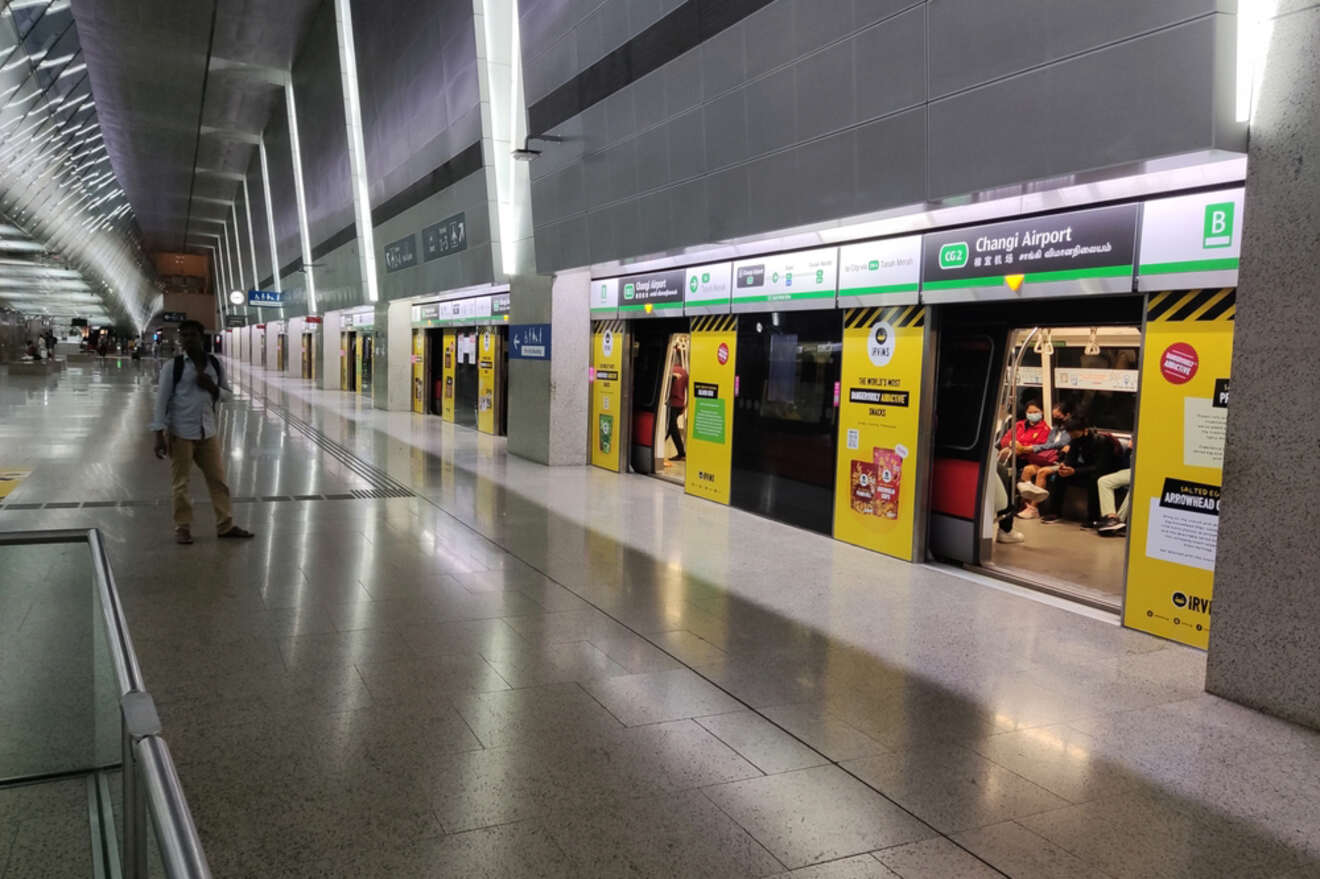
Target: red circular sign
[1179, 363]
[723, 353]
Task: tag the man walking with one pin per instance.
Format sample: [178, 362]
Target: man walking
[191, 386]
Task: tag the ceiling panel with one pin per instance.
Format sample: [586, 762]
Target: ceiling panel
[148, 63]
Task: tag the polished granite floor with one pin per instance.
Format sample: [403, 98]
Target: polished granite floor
[438, 660]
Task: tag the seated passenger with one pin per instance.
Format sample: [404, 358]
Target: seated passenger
[1113, 523]
[1029, 433]
[1035, 477]
[1091, 454]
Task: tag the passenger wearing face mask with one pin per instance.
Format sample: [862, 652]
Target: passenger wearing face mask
[1018, 445]
[1043, 461]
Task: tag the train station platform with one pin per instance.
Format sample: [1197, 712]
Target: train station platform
[436, 659]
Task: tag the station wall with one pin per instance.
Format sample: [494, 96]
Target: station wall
[691, 122]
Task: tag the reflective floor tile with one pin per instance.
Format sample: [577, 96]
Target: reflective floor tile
[678, 835]
[952, 788]
[657, 696]
[825, 732]
[689, 648]
[1147, 835]
[1063, 760]
[535, 714]
[859, 867]
[1017, 852]
[429, 679]
[339, 649]
[524, 665]
[680, 755]
[761, 742]
[935, 859]
[814, 815]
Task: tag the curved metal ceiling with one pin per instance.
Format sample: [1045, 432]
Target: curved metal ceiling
[69, 245]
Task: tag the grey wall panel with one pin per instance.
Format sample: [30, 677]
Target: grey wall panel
[1140, 99]
[974, 41]
[418, 86]
[321, 136]
[280, 159]
[769, 37]
[825, 91]
[772, 118]
[259, 233]
[891, 162]
[889, 65]
[471, 266]
[810, 110]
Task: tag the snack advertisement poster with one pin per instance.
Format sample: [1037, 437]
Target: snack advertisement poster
[1178, 464]
[879, 412]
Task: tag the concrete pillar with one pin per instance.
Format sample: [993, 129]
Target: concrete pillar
[392, 385]
[1264, 650]
[331, 326]
[548, 399]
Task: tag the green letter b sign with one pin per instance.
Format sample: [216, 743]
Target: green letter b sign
[1218, 225]
[953, 256]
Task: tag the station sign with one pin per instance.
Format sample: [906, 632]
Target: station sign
[265, 299]
[605, 298]
[1068, 254]
[658, 294]
[708, 289]
[529, 341]
[803, 280]
[500, 305]
[885, 272]
[235, 320]
[401, 254]
[1191, 242]
[445, 238]
[173, 317]
[363, 319]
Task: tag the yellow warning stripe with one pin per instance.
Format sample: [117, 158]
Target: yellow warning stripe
[896, 315]
[1180, 306]
[600, 326]
[714, 323]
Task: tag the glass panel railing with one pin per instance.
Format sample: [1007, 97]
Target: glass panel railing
[87, 786]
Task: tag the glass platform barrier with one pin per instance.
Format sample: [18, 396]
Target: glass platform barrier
[87, 785]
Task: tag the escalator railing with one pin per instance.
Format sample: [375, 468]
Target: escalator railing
[71, 681]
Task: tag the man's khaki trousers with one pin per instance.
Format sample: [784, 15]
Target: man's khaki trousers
[206, 454]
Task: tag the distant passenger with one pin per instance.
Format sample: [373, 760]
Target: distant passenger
[191, 387]
[1091, 454]
[31, 350]
[678, 384]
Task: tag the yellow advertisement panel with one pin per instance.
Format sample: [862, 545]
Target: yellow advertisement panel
[448, 368]
[357, 362]
[1179, 456]
[418, 370]
[487, 355]
[343, 362]
[710, 427]
[607, 349]
[879, 412]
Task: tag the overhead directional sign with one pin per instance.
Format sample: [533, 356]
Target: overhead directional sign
[265, 299]
[529, 341]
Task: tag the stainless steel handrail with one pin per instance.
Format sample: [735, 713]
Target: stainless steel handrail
[180, 847]
[143, 748]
